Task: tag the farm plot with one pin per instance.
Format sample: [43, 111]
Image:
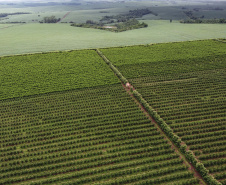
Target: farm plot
[168, 59]
[30, 38]
[164, 52]
[188, 92]
[43, 73]
[87, 136]
[195, 108]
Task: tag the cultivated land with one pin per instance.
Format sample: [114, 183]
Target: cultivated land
[88, 136]
[187, 89]
[44, 73]
[66, 119]
[35, 37]
[94, 132]
[30, 38]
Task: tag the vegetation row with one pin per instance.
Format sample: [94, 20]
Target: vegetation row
[184, 92]
[92, 135]
[196, 112]
[48, 72]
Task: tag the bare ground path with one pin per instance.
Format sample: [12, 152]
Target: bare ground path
[128, 87]
[64, 17]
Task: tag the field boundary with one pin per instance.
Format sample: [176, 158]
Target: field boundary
[176, 149]
[49, 93]
[124, 46]
[45, 52]
[220, 40]
[181, 148]
[170, 81]
[64, 17]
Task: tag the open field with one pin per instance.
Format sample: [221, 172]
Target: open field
[95, 10]
[29, 38]
[35, 37]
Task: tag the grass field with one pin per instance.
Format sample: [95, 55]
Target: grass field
[29, 38]
[34, 37]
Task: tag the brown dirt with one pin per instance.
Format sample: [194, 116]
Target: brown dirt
[64, 17]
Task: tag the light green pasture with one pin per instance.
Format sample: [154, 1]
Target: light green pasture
[78, 14]
[30, 38]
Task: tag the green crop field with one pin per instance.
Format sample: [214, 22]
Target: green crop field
[185, 84]
[193, 105]
[29, 38]
[35, 37]
[65, 117]
[168, 58]
[87, 136]
[164, 52]
[43, 73]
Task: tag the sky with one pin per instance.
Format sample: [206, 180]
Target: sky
[65, 0]
[32, 0]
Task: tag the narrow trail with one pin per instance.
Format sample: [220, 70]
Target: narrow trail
[64, 17]
[189, 165]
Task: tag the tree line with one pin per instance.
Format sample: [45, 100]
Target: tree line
[17, 13]
[51, 19]
[205, 21]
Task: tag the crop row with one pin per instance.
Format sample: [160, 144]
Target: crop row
[44, 73]
[187, 92]
[196, 116]
[83, 170]
[89, 144]
[76, 127]
[37, 123]
[172, 67]
[199, 124]
[79, 146]
[105, 139]
[130, 175]
[168, 78]
[163, 52]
